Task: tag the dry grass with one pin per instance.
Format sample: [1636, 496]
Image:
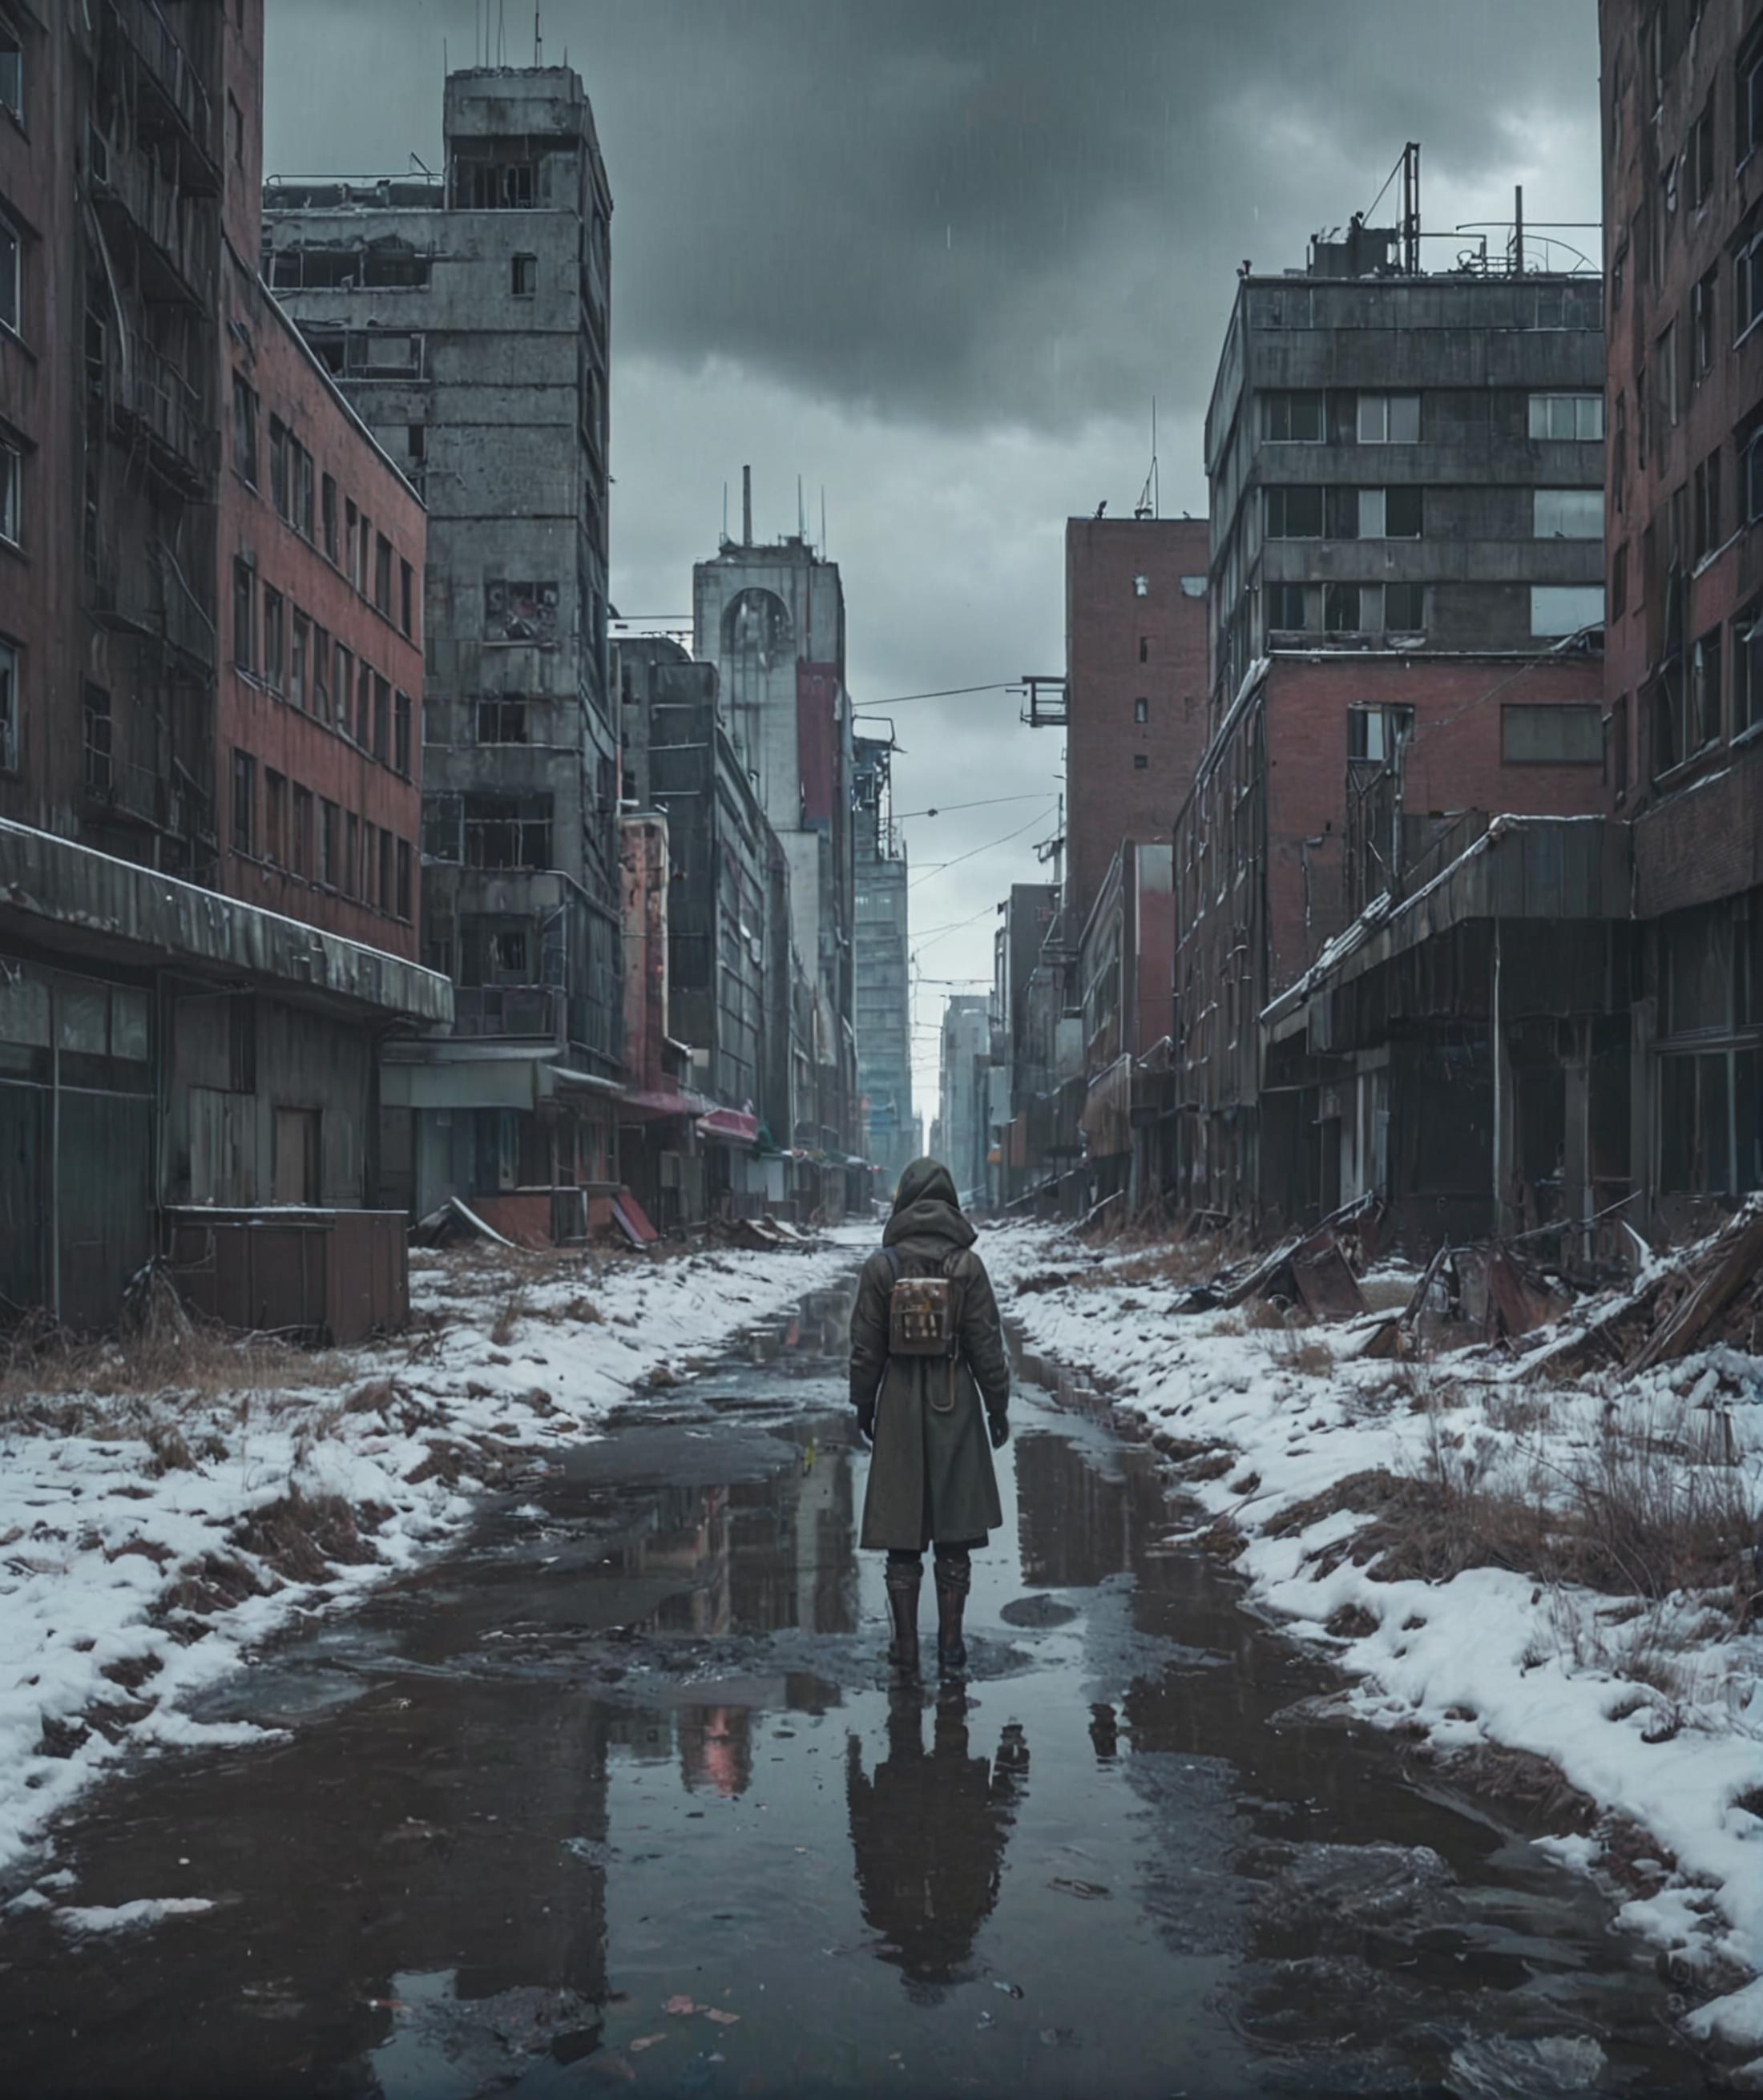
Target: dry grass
[1181, 1263]
[41, 1364]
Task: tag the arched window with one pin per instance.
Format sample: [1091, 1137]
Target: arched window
[756, 626]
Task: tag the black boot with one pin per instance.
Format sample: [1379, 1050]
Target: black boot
[954, 1579]
[903, 1583]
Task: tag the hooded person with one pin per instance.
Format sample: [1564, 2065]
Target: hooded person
[935, 1420]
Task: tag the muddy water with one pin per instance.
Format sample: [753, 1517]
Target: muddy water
[632, 1749]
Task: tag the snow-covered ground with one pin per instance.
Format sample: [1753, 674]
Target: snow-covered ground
[148, 1544]
[1647, 1702]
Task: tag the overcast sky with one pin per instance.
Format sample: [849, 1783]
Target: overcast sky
[936, 257]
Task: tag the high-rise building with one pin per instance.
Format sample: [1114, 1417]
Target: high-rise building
[1404, 461]
[772, 618]
[963, 1127]
[465, 317]
[883, 994]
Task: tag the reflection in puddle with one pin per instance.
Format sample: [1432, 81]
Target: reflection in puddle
[622, 1794]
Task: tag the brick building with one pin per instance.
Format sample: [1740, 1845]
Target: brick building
[183, 1073]
[1330, 778]
[321, 541]
[1682, 89]
[1135, 687]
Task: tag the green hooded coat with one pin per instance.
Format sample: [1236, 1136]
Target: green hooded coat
[930, 1478]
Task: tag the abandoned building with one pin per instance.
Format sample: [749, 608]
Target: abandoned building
[466, 318]
[882, 991]
[771, 619]
[190, 1036]
[1123, 976]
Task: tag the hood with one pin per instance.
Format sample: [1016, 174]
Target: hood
[925, 1205]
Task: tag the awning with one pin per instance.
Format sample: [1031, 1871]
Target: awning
[732, 1126]
[653, 1105]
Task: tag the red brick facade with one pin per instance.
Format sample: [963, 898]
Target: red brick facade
[1135, 654]
[319, 587]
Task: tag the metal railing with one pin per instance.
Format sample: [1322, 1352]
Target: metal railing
[147, 33]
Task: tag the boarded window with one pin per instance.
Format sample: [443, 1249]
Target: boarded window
[1540, 735]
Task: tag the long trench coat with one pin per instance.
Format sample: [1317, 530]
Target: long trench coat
[930, 1479]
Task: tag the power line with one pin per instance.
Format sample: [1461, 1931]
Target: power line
[942, 866]
[943, 693]
[991, 802]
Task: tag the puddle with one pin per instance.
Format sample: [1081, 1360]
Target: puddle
[620, 1793]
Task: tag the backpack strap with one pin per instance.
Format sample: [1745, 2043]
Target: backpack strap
[891, 1256]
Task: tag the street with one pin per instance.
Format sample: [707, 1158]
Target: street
[617, 1793]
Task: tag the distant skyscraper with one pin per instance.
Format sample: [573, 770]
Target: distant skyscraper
[883, 995]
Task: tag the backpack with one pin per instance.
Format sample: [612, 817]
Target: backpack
[924, 1317]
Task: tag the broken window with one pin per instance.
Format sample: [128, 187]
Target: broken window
[1404, 608]
[1294, 513]
[1748, 669]
[502, 720]
[507, 831]
[243, 801]
[1567, 513]
[523, 612]
[1562, 609]
[1402, 512]
[1342, 609]
[442, 837]
[1388, 419]
[1534, 733]
[1374, 733]
[1709, 1134]
[1704, 721]
[1295, 418]
[1579, 416]
[243, 428]
[510, 953]
[526, 277]
[496, 185]
[97, 739]
[1704, 516]
[1665, 709]
[1285, 608]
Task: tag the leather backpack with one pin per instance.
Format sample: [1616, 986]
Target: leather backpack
[923, 1317]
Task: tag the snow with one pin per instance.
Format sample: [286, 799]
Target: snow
[96, 1535]
[1656, 1717]
[130, 1917]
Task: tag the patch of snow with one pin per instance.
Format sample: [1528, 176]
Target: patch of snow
[130, 1917]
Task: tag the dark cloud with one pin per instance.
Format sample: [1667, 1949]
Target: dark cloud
[961, 209]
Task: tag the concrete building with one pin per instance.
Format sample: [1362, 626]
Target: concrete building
[1135, 687]
[1404, 461]
[963, 1134]
[882, 992]
[465, 317]
[712, 1074]
[184, 1073]
[772, 618]
[1683, 196]
[1123, 964]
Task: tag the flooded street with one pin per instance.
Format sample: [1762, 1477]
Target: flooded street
[619, 1794]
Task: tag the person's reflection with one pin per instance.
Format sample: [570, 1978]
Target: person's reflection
[929, 1833]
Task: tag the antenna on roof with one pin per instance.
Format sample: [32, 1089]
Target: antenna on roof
[1147, 505]
[538, 40]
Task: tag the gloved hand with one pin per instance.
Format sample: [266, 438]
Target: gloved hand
[999, 1426]
[866, 1421]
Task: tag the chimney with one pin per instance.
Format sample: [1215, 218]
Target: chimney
[746, 506]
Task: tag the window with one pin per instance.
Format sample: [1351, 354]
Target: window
[243, 801]
[350, 536]
[1560, 609]
[321, 672]
[1374, 733]
[342, 689]
[1285, 607]
[300, 834]
[327, 843]
[442, 828]
[1141, 587]
[11, 492]
[1579, 416]
[1140, 763]
[350, 879]
[1144, 649]
[1534, 733]
[244, 616]
[1142, 711]
[502, 720]
[401, 735]
[11, 71]
[1747, 670]
[302, 491]
[1702, 322]
[526, 277]
[406, 596]
[1294, 513]
[97, 741]
[1665, 375]
[1618, 746]
[507, 831]
[244, 429]
[275, 818]
[382, 574]
[403, 906]
[11, 665]
[278, 467]
[1394, 515]
[1747, 110]
[1388, 419]
[1747, 444]
[1705, 722]
[11, 277]
[1404, 608]
[1341, 608]
[327, 514]
[383, 894]
[494, 186]
[381, 718]
[364, 702]
[235, 131]
[1296, 419]
[1567, 513]
[1748, 282]
[1618, 582]
[274, 638]
[1704, 507]
[297, 659]
[416, 444]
